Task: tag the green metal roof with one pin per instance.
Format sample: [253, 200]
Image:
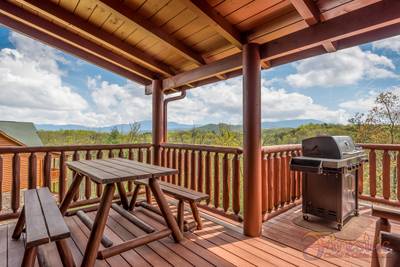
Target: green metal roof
[23, 132]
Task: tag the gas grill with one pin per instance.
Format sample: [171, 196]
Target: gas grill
[330, 177]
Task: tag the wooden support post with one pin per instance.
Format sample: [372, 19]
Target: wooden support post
[158, 125]
[252, 140]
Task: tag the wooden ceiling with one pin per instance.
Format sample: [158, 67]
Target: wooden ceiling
[188, 43]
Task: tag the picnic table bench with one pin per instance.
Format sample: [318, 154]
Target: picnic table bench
[43, 223]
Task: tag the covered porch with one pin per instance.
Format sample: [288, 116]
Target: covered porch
[171, 47]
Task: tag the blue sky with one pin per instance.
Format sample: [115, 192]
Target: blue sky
[43, 85]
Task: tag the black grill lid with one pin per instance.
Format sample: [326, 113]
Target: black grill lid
[329, 147]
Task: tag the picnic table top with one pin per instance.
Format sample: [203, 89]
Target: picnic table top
[104, 171]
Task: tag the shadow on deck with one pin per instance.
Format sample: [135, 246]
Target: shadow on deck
[220, 243]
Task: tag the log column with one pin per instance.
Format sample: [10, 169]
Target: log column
[158, 117]
[252, 140]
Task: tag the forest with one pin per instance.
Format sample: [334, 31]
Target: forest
[379, 125]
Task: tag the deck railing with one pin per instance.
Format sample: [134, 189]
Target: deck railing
[215, 170]
[281, 187]
[55, 157]
[378, 179]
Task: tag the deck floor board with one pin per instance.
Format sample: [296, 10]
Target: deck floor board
[219, 244]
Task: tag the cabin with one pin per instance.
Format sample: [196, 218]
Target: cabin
[21, 134]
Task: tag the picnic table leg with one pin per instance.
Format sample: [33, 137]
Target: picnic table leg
[134, 197]
[162, 203]
[99, 224]
[19, 227]
[122, 195]
[65, 254]
[29, 257]
[73, 189]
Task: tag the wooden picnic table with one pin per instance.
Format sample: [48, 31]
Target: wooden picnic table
[112, 172]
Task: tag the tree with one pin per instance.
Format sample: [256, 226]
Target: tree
[113, 138]
[134, 132]
[387, 112]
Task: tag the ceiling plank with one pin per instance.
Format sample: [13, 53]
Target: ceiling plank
[215, 20]
[154, 30]
[69, 37]
[68, 48]
[308, 10]
[58, 13]
[369, 19]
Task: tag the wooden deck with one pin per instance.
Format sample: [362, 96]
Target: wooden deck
[220, 243]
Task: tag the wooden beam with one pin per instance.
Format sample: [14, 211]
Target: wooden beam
[308, 10]
[215, 20]
[203, 72]
[66, 47]
[154, 30]
[50, 28]
[57, 13]
[373, 18]
[329, 46]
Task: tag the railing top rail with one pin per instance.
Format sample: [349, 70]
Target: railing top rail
[208, 148]
[395, 147]
[31, 149]
[281, 148]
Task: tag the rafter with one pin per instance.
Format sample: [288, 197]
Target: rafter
[74, 39]
[215, 20]
[59, 44]
[308, 10]
[329, 46]
[57, 13]
[154, 30]
[373, 18]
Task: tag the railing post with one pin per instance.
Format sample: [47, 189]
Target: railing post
[252, 140]
[158, 124]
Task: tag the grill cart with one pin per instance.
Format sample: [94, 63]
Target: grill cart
[330, 177]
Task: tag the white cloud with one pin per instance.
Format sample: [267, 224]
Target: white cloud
[344, 67]
[392, 44]
[366, 102]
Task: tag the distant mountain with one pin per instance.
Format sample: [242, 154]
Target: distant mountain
[145, 126]
[288, 123]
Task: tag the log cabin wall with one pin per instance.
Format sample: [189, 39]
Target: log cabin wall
[7, 166]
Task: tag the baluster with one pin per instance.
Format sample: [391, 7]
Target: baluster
[148, 155]
[187, 162]
[277, 172]
[180, 167]
[200, 169]
[168, 163]
[372, 173]
[264, 183]
[226, 181]
[300, 181]
[236, 184]
[386, 174]
[1, 181]
[47, 170]
[99, 187]
[270, 181]
[62, 178]
[174, 165]
[140, 155]
[32, 173]
[293, 180]
[88, 184]
[110, 154]
[121, 153]
[130, 157]
[287, 176]
[398, 174]
[208, 175]
[15, 186]
[76, 157]
[163, 159]
[193, 171]
[216, 180]
[283, 178]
